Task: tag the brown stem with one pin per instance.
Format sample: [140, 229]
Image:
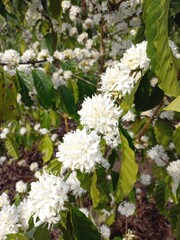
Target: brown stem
[102, 47]
[143, 130]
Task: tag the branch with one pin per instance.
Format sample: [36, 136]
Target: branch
[143, 130]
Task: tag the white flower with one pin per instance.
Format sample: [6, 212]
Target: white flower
[129, 116]
[74, 184]
[9, 221]
[2, 159]
[43, 131]
[174, 49]
[82, 37]
[80, 150]
[4, 133]
[43, 55]
[25, 210]
[37, 127]
[145, 179]
[126, 208]
[54, 137]
[129, 235]
[21, 186]
[158, 154]
[167, 114]
[154, 82]
[101, 114]
[22, 131]
[174, 170]
[48, 196]
[10, 57]
[74, 10]
[65, 5]
[4, 200]
[28, 55]
[135, 58]
[67, 74]
[34, 166]
[105, 231]
[116, 82]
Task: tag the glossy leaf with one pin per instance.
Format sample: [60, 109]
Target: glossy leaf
[46, 147]
[95, 194]
[8, 97]
[12, 147]
[44, 88]
[55, 8]
[128, 171]
[174, 105]
[156, 21]
[83, 228]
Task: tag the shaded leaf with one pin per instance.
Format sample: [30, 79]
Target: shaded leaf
[46, 147]
[161, 194]
[176, 140]
[95, 194]
[44, 88]
[163, 132]
[55, 8]
[12, 147]
[83, 228]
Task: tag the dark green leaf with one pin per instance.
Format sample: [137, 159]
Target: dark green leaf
[44, 88]
[161, 194]
[55, 8]
[176, 140]
[163, 132]
[83, 228]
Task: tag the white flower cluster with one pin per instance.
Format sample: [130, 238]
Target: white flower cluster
[145, 179]
[60, 77]
[4, 133]
[9, 221]
[126, 208]
[4, 200]
[121, 78]
[105, 231]
[101, 114]
[47, 198]
[80, 150]
[174, 170]
[74, 184]
[158, 154]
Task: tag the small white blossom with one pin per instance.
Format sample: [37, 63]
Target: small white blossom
[21, 187]
[4, 200]
[80, 150]
[74, 184]
[167, 115]
[154, 82]
[174, 170]
[54, 137]
[129, 235]
[158, 154]
[22, 131]
[145, 179]
[4, 133]
[34, 166]
[28, 55]
[2, 159]
[105, 231]
[129, 116]
[126, 208]
[43, 131]
[65, 5]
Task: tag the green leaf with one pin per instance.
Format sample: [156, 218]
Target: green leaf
[24, 91]
[41, 233]
[174, 7]
[12, 147]
[50, 42]
[55, 118]
[74, 87]
[161, 194]
[55, 8]
[163, 132]
[54, 166]
[46, 147]
[45, 120]
[156, 21]
[174, 214]
[8, 97]
[176, 140]
[83, 228]
[174, 105]
[95, 194]
[67, 101]
[16, 236]
[44, 88]
[128, 171]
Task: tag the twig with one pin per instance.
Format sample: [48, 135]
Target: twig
[143, 130]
